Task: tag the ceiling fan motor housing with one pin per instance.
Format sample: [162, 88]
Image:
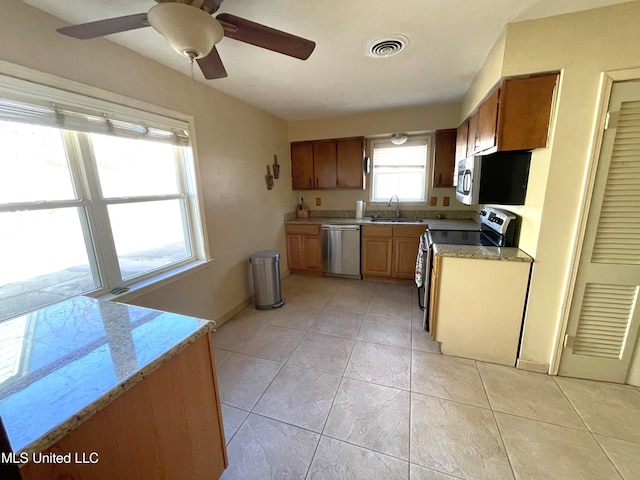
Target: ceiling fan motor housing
[188, 30]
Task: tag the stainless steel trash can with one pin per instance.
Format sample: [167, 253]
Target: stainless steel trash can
[266, 279]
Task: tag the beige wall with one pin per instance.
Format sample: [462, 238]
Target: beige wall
[419, 119]
[235, 142]
[582, 46]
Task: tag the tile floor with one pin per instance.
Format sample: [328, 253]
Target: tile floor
[343, 383]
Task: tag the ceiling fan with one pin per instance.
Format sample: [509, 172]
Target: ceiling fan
[190, 29]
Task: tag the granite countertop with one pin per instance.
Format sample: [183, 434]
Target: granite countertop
[63, 363]
[433, 223]
[509, 254]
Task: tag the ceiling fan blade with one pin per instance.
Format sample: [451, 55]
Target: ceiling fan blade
[266, 37]
[212, 66]
[100, 28]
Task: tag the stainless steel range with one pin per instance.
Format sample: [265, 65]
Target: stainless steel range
[498, 228]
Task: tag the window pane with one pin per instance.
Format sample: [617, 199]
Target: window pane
[130, 168]
[148, 235]
[43, 257]
[33, 164]
[408, 185]
[400, 155]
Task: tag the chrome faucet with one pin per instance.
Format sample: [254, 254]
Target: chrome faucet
[397, 205]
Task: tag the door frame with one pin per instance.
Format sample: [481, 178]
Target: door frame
[606, 84]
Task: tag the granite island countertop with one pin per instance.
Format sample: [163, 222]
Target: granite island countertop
[63, 363]
[509, 254]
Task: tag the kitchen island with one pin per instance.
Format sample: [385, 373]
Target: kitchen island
[101, 390]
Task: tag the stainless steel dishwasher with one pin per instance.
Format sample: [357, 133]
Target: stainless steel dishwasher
[341, 250]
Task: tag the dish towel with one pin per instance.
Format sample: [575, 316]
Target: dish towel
[420, 262]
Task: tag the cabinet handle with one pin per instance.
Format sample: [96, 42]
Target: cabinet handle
[317, 182]
[310, 182]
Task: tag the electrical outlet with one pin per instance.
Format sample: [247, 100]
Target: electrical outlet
[434, 201]
[318, 201]
[445, 201]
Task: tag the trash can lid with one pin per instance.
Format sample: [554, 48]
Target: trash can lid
[265, 256]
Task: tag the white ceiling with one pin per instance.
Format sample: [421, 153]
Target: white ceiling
[448, 42]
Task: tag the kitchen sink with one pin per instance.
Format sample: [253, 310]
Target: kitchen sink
[397, 220]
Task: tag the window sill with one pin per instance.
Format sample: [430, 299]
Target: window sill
[163, 279]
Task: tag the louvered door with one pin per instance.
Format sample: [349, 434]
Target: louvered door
[604, 317]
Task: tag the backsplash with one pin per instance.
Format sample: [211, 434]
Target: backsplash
[457, 214]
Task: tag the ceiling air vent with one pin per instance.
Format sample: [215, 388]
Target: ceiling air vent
[387, 45]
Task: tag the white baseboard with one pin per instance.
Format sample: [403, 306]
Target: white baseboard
[532, 366]
[233, 312]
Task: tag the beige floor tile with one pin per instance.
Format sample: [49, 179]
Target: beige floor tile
[386, 330]
[232, 418]
[234, 333]
[349, 301]
[291, 315]
[273, 343]
[393, 290]
[221, 356]
[390, 306]
[371, 416]
[311, 298]
[545, 451]
[325, 353]
[380, 364]
[268, 449]
[528, 394]
[608, 409]
[336, 460]
[417, 472]
[447, 377]
[243, 380]
[624, 455]
[339, 323]
[457, 439]
[300, 397]
[421, 339]
[256, 316]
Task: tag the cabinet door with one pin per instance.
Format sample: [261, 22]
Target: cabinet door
[462, 134]
[295, 251]
[472, 137]
[405, 251]
[525, 109]
[488, 121]
[302, 165]
[444, 158]
[324, 164]
[376, 256]
[350, 166]
[311, 252]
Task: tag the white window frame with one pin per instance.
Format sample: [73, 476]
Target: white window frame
[415, 139]
[86, 184]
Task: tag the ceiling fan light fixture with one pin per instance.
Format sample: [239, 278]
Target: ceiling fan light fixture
[188, 30]
[399, 138]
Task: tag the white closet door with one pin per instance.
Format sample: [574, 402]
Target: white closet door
[604, 315]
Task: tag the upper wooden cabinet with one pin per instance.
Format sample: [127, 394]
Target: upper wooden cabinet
[445, 142]
[328, 164]
[515, 116]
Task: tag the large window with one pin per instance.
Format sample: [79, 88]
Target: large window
[400, 170]
[103, 204]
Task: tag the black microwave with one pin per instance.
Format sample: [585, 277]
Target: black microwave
[499, 178]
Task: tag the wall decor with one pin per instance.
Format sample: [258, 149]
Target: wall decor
[269, 178]
[276, 167]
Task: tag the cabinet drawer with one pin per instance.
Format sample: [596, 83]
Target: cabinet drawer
[377, 231]
[303, 229]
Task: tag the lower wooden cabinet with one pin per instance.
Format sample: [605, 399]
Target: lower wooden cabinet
[168, 425]
[377, 248]
[390, 251]
[303, 247]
